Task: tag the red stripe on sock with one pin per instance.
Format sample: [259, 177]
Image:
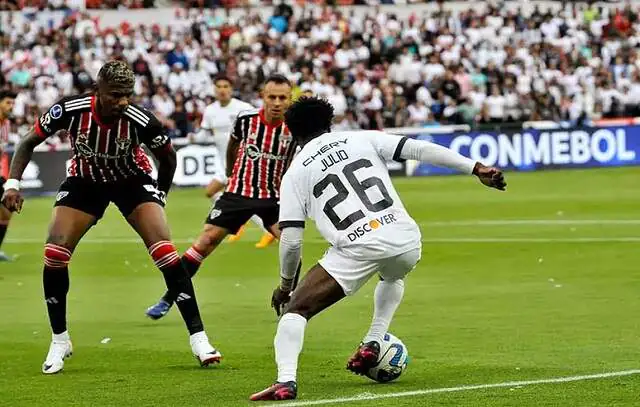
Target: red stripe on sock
[164, 254]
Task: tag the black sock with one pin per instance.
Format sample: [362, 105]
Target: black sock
[56, 287]
[181, 290]
[3, 232]
[190, 265]
[192, 268]
[296, 278]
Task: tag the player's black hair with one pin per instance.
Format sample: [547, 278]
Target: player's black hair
[117, 72]
[7, 94]
[221, 77]
[309, 117]
[278, 79]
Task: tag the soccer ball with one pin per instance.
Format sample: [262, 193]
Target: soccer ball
[393, 360]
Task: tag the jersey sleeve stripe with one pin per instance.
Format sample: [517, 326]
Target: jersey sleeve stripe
[291, 224]
[398, 152]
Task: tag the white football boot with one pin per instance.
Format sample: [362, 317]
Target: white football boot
[59, 350]
[202, 349]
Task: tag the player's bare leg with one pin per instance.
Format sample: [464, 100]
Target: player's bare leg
[210, 238]
[67, 227]
[317, 291]
[149, 221]
[5, 218]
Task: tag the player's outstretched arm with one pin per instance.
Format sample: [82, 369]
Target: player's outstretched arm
[12, 199]
[290, 254]
[435, 154]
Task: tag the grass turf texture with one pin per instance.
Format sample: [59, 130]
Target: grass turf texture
[538, 304]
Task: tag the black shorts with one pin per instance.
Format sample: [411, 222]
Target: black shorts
[231, 211]
[93, 198]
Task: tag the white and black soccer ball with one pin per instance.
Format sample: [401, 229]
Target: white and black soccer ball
[393, 360]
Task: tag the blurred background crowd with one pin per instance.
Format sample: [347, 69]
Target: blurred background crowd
[378, 70]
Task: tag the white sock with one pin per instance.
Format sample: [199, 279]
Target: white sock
[258, 221]
[288, 345]
[63, 337]
[198, 337]
[387, 298]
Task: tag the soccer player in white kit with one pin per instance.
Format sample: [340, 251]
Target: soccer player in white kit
[216, 125]
[340, 180]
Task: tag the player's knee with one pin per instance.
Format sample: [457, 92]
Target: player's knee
[56, 256]
[307, 311]
[164, 254]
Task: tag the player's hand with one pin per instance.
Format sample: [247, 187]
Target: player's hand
[279, 299]
[12, 200]
[490, 176]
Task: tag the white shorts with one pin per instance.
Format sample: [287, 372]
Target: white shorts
[352, 274]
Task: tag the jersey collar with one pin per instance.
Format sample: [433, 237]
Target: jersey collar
[96, 116]
[263, 118]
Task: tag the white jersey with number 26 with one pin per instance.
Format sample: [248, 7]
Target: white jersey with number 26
[341, 181]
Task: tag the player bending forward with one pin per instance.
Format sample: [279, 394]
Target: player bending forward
[340, 180]
[108, 165]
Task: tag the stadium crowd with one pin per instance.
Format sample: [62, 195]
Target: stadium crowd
[378, 72]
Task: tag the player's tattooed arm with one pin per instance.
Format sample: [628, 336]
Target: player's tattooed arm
[23, 154]
[232, 153]
[167, 162]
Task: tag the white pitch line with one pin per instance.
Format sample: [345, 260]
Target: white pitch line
[369, 396]
[451, 240]
[532, 222]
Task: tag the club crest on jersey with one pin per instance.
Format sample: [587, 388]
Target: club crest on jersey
[285, 139]
[55, 111]
[123, 142]
[82, 145]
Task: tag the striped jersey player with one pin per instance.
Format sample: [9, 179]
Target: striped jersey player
[260, 151]
[106, 133]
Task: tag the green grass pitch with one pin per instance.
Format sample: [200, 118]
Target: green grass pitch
[539, 282]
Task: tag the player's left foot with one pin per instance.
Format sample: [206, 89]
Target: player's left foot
[276, 392]
[364, 358]
[266, 239]
[158, 310]
[203, 351]
[59, 350]
[5, 257]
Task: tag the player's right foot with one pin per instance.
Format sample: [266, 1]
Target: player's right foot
[276, 392]
[158, 310]
[203, 351]
[5, 257]
[58, 352]
[237, 236]
[364, 358]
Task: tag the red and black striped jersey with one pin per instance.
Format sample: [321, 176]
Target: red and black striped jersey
[104, 152]
[265, 151]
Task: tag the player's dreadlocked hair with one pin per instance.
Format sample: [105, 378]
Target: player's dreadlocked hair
[309, 117]
[117, 73]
